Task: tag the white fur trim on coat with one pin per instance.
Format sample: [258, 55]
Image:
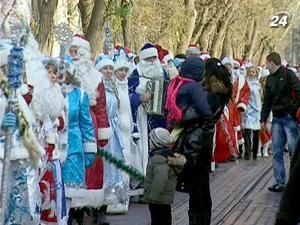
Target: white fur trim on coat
[104, 133]
[5, 48]
[51, 138]
[237, 128]
[148, 52]
[24, 89]
[18, 152]
[242, 105]
[241, 84]
[92, 198]
[90, 147]
[241, 141]
[167, 58]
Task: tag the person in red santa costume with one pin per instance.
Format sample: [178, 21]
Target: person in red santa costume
[229, 139]
[166, 61]
[92, 84]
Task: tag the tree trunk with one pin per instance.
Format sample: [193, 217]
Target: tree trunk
[263, 55]
[125, 23]
[257, 52]
[227, 46]
[187, 35]
[209, 27]
[217, 41]
[200, 26]
[86, 9]
[253, 40]
[95, 29]
[46, 11]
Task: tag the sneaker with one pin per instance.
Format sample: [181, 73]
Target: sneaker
[276, 188]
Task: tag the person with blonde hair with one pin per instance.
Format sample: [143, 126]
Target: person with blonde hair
[251, 117]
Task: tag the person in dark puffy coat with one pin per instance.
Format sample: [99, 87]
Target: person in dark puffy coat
[202, 101]
[289, 210]
[160, 182]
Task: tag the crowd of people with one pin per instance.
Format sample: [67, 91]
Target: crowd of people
[85, 131]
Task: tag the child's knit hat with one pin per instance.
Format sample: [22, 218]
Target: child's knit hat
[160, 138]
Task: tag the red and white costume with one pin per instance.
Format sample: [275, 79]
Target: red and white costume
[228, 129]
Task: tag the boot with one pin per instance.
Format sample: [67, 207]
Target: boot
[241, 147]
[101, 216]
[194, 219]
[94, 215]
[259, 149]
[71, 216]
[265, 150]
[79, 216]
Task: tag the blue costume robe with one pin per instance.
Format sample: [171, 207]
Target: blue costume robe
[113, 178]
[81, 140]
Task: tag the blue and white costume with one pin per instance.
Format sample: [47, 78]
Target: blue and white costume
[81, 140]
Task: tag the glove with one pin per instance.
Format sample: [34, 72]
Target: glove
[89, 159]
[9, 121]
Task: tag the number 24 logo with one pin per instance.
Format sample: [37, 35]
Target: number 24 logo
[279, 19]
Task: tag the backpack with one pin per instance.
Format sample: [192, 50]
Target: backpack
[293, 95]
[175, 114]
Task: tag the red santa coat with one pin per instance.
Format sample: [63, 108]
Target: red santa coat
[226, 141]
[228, 129]
[241, 96]
[94, 174]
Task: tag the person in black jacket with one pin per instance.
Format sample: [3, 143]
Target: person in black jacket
[278, 98]
[203, 103]
[289, 210]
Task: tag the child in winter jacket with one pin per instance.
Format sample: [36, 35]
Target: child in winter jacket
[161, 175]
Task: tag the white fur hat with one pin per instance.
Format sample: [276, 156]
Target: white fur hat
[205, 57]
[5, 48]
[120, 65]
[228, 60]
[104, 62]
[148, 50]
[167, 58]
[81, 42]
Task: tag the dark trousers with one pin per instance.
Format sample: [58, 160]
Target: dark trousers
[248, 142]
[200, 203]
[160, 214]
[289, 211]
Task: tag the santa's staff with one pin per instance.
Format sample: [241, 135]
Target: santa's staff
[14, 77]
[64, 37]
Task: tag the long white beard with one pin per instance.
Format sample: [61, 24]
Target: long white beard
[89, 77]
[50, 103]
[54, 101]
[151, 70]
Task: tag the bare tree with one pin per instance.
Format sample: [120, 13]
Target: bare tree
[44, 13]
[86, 9]
[95, 29]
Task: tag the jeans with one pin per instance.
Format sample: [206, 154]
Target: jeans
[284, 130]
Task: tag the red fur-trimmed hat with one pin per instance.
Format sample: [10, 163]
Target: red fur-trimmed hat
[81, 41]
